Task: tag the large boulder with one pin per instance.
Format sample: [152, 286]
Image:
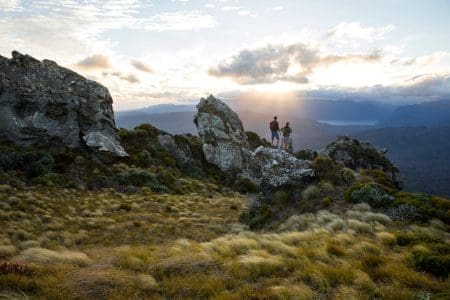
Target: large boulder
[225, 145]
[224, 140]
[45, 105]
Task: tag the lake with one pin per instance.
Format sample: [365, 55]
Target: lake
[348, 122]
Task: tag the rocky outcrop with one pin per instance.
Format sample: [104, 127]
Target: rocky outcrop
[180, 151]
[225, 144]
[43, 104]
[355, 154]
[279, 167]
[224, 140]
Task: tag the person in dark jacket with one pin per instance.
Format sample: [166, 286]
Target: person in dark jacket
[275, 129]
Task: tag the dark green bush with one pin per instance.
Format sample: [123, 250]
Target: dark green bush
[137, 177]
[258, 216]
[435, 261]
[306, 154]
[373, 194]
[326, 169]
[255, 141]
[38, 163]
[414, 238]
[380, 177]
[425, 205]
[245, 185]
[143, 159]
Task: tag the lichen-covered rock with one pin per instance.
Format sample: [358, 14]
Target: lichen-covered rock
[223, 136]
[280, 168]
[43, 104]
[225, 144]
[356, 155]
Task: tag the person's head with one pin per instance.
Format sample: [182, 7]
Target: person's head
[287, 123]
[275, 117]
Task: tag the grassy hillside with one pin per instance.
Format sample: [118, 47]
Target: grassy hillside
[145, 227]
[66, 244]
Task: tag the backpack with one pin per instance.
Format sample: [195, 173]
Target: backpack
[273, 125]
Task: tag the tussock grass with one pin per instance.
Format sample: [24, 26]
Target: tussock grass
[108, 245]
[7, 251]
[47, 256]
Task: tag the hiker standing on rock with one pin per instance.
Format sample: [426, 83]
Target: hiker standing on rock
[275, 128]
[286, 130]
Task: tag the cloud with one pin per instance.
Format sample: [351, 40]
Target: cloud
[420, 88]
[96, 61]
[230, 8]
[10, 5]
[277, 8]
[272, 63]
[141, 66]
[132, 78]
[354, 30]
[180, 20]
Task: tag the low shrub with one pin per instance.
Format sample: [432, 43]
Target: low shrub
[424, 206]
[435, 260]
[370, 193]
[245, 185]
[306, 154]
[326, 169]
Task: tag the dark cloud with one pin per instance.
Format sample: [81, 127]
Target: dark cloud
[96, 61]
[141, 66]
[132, 78]
[275, 63]
[420, 88]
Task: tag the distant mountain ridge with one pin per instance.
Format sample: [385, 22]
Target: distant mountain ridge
[436, 113]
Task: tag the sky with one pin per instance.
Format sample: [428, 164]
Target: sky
[176, 51]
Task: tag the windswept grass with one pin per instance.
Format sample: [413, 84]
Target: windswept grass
[107, 245]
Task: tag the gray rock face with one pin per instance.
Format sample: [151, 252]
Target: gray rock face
[356, 155]
[43, 104]
[222, 134]
[279, 167]
[225, 145]
[182, 155]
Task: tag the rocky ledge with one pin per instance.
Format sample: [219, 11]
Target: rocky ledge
[225, 145]
[45, 105]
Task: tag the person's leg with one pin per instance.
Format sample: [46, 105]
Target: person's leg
[273, 136]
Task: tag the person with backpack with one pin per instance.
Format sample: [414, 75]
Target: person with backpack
[274, 129]
[286, 130]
